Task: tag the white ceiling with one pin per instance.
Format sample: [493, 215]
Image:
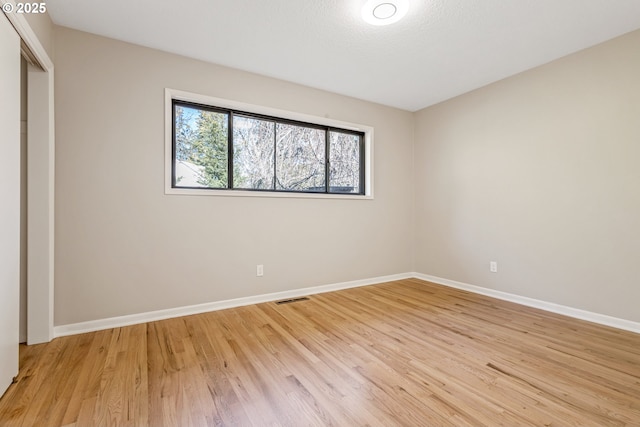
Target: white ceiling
[441, 49]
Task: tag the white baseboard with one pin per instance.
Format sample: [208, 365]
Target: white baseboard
[133, 319]
[602, 319]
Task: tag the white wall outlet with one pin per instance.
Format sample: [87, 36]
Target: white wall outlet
[493, 267]
[259, 270]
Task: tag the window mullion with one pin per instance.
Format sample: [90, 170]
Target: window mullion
[230, 151]
[275, 158]
[362, 166]
[327, 162]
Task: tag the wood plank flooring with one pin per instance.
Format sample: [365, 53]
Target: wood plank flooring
[405, 353]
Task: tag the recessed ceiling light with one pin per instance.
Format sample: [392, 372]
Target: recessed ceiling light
[384, 12]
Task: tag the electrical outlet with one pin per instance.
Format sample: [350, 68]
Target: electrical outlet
[493, 267]
[260, 270]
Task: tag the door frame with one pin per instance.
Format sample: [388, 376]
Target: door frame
[40, 184]
[10, 195]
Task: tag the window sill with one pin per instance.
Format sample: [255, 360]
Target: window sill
[250, 193]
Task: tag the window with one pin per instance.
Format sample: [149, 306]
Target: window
[214, 147]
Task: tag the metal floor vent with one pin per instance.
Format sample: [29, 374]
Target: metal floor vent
[289, 301]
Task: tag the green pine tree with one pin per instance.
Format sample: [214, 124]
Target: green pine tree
[209, 148]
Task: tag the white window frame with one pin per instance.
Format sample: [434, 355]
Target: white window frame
[174, 94]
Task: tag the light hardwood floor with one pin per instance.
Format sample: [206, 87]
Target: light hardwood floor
[401, 353]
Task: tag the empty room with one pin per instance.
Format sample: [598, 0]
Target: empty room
[320, 213]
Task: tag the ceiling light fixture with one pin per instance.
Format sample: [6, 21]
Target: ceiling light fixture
[384, 12]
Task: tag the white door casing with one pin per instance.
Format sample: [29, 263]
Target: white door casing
[9, 201]
[40, 182]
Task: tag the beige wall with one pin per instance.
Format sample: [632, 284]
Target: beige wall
[539, 172]
[124, 247]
